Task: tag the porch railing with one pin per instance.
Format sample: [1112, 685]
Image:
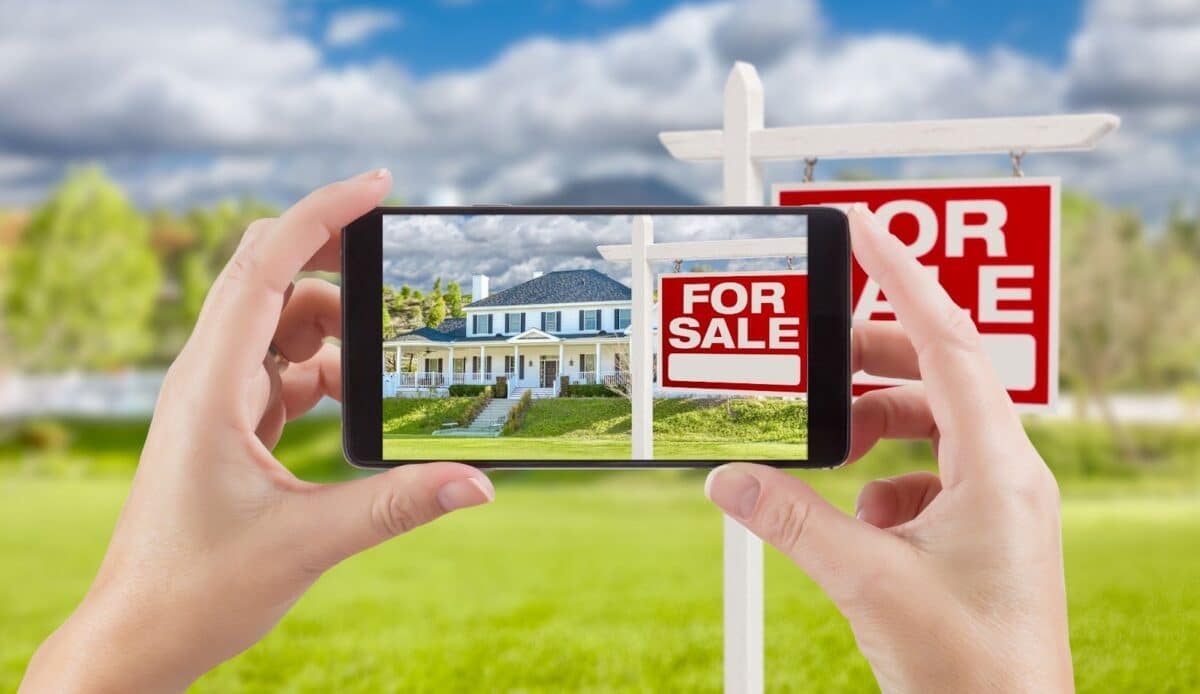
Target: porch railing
[395, 380]
[593, 377]
[426, 379]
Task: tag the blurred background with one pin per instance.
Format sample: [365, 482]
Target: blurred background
[138, 140]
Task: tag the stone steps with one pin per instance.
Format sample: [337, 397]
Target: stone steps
[486, 424]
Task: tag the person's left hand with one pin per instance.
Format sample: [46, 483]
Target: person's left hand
[218, 539]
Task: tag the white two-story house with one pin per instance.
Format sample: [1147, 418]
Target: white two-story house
[570, 323]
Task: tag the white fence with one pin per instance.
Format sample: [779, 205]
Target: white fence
[124, 394]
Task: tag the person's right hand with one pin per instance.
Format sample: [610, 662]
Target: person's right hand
[951, 582]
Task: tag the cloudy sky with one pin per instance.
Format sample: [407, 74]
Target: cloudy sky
[498, 101]
[510, 249]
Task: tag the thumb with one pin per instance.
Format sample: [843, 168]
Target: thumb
[842, 554]
[347, 518]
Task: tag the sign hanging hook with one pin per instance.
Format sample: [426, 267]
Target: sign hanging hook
[810, 166]
[1016, 156]
[678, 267]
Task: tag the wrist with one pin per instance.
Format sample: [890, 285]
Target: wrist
[101, 648]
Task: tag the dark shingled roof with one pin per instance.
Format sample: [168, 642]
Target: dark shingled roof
[561, 287]
[456, 326]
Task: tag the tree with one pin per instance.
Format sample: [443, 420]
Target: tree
[454, 301]
[192, 249]
[83, 280]
[389, 329]
[435, 305]
[1113, 305]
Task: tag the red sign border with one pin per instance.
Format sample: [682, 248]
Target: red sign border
[1054, 183]
[661, 333]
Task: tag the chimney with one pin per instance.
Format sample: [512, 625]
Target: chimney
[479, 287]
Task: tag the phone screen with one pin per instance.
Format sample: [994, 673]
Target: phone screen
[515, 337]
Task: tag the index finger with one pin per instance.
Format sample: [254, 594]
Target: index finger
[250, 294]
[965, 394]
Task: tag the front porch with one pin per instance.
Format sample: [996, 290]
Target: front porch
[536, 361]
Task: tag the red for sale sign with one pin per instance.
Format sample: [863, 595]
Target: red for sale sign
[743, 332]
[992, 243]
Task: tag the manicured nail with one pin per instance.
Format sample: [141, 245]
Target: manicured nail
[464, 493]
[736, 492]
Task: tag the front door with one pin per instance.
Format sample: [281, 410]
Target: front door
[549, 372]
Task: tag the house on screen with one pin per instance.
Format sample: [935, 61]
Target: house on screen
[570, 323]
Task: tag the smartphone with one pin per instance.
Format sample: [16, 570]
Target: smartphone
[555, 337]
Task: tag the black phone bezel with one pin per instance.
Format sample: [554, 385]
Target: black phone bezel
[828, 334]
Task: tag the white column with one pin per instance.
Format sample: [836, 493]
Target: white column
[640, 389]
[743, 184]
[596, 366]
[516, 364]
[399, 351]
[562, 366]
[482, 365]
[450, 367]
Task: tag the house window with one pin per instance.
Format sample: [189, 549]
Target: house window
[589, 320]
[510, 364]
[623, 317]
[550, 321]
[481, 324]
[513, 321]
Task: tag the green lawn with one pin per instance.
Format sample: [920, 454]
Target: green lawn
[676, 419]
[420, 415]
[612, 585]
[604, 581]
[571, 448]
[598, 428]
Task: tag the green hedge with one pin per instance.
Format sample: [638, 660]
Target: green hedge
[466, 390]
[478, 402]
[590, 390]
[516, 416]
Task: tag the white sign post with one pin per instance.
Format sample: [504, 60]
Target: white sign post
[743, 551]
[742, 146]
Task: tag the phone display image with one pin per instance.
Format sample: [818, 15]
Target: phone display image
[507, 337]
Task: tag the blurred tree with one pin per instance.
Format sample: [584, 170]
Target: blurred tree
[193, 248]
[1115, 306]
[12, 224]
[454, 300]
[1177, 363]
[83, 280]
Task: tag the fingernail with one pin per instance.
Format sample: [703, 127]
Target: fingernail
[464, 493]
[860, 210]
[374, 174]
[736, 492]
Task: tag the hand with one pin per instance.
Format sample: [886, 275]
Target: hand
[951, 582]
[218, 540]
